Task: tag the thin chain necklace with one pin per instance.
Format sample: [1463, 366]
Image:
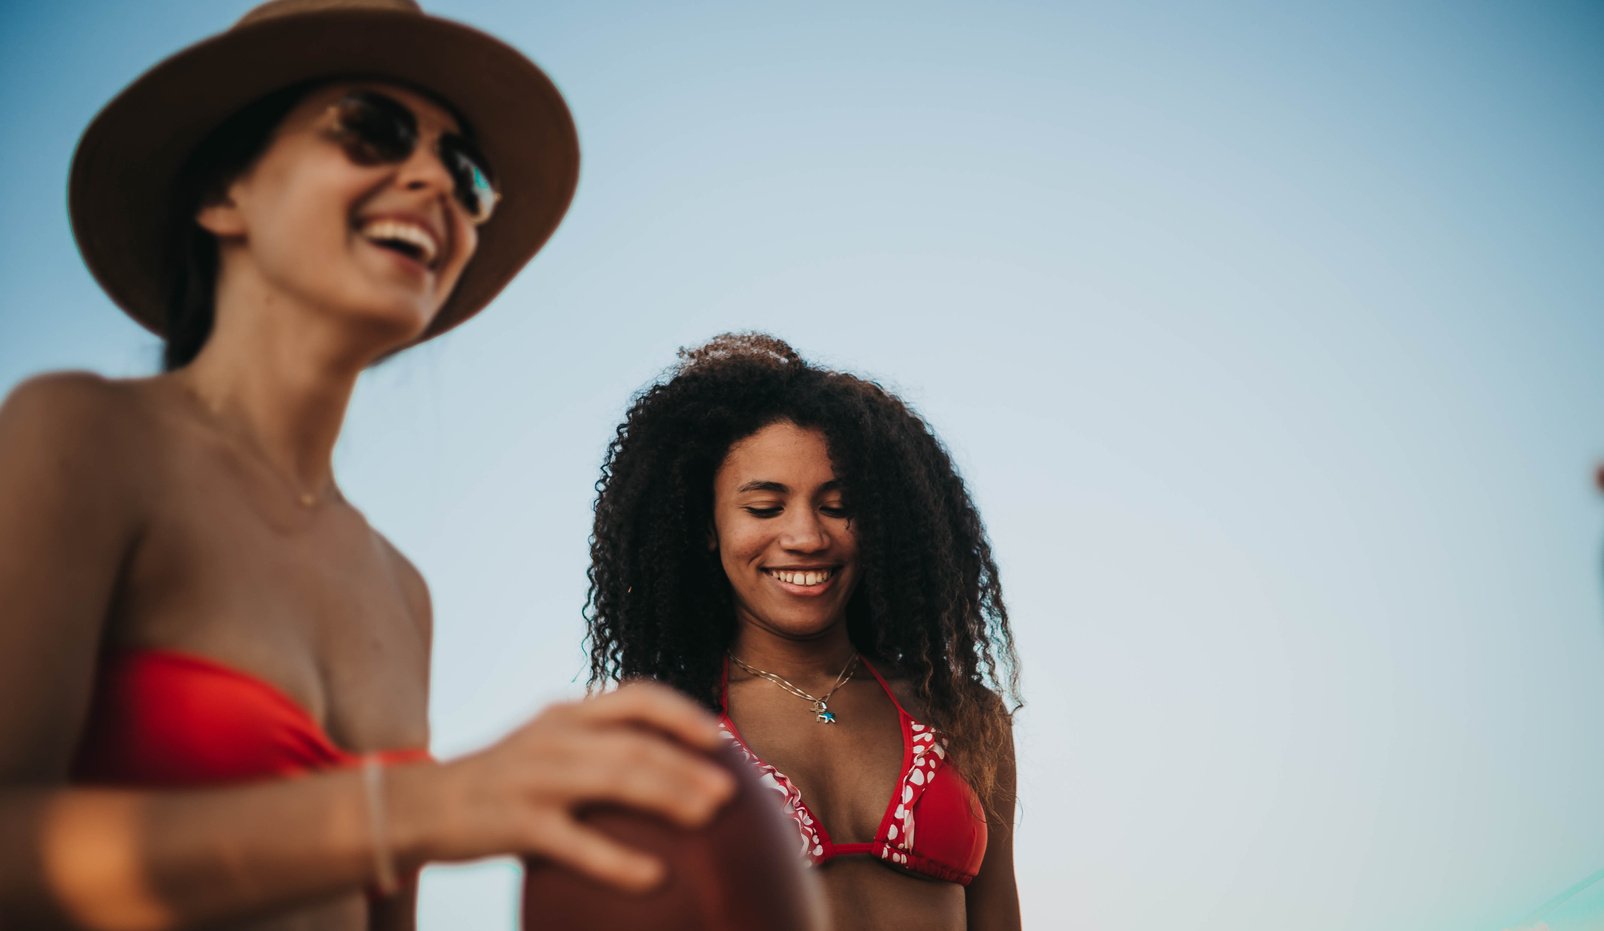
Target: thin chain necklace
[307, 499]
[821, 707]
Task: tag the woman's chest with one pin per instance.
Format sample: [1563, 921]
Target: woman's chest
[846, 772]
[297, 571]
[313, 605]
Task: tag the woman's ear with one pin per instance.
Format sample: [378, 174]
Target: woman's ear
[221, 217]
[712, 537]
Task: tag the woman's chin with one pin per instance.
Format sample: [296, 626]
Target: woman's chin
[388, 326]
[802, 628]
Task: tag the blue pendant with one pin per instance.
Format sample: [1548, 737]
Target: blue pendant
[827, 717]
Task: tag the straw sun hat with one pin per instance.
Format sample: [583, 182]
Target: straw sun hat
[121, 194]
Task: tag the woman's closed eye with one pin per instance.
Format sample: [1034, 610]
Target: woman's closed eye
[837, 511]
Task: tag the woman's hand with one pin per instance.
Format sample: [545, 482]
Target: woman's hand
[642, 747]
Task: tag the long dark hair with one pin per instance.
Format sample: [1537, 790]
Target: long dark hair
[225, 154]
[928, 603]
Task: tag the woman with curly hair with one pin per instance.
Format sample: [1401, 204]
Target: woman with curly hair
[791, 546]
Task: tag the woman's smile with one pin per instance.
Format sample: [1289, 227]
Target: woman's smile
[410, 237]
[807, 583]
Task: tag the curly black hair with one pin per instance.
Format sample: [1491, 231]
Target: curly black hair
[928, 603]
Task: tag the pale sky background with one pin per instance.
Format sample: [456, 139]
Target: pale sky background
[1268, 336]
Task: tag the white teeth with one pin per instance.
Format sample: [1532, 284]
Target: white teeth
[802, 577]
[402, 231]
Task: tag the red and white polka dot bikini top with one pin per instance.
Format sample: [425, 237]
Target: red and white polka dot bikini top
[933, 823]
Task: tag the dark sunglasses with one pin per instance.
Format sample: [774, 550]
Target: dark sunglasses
[379, 130]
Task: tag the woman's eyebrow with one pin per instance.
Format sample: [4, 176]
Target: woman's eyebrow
[765, 485]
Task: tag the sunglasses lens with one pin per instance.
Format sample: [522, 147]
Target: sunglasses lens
[374, 129]
[470, 176]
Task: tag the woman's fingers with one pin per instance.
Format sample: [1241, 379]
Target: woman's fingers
[638, 769]
[643, 748]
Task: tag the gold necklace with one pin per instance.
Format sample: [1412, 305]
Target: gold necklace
[306, 499]
[821, 707]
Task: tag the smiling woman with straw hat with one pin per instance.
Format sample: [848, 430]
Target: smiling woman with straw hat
[213, 672]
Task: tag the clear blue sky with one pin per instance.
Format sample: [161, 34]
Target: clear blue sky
[1268, 335]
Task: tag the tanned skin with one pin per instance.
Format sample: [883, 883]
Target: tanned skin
[168, 513]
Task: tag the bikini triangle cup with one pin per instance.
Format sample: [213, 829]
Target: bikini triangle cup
[931, 823]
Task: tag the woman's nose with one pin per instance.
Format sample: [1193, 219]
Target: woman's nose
[424, 170]
[804, 532]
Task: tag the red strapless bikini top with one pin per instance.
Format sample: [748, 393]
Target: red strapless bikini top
[933, 823]
[164, 719]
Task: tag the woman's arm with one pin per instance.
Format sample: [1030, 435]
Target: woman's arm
[70, 467]
[992, 899]
[116, 859]
[69, 477]
[113, 859]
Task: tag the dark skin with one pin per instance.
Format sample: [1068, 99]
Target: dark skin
[197, 512]
[779, 516]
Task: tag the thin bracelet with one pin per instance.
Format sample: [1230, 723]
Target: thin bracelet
[385, 881]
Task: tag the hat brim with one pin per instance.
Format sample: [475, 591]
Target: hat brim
[125, 171]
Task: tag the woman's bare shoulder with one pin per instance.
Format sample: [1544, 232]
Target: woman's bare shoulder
[407, 577]
[77, 421]
[410, 580]
[76, 399]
